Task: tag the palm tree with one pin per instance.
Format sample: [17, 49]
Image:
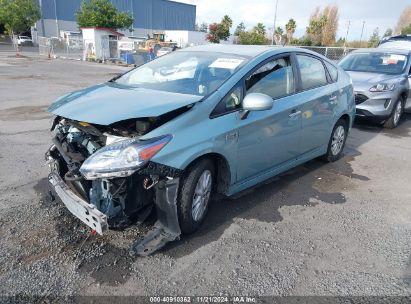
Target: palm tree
[290, 28]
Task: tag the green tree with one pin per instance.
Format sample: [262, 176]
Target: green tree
[388, 32]
[404, 19]
[278, 35]
[260, 29]
[224, 28]
[219, 31]
[374, 39]
[406, 30]
[290, 29]
[323, 25]
[203, 27]
[18, 16]
[239, 29]
[102, 13]
[255, 36]
[315, 28]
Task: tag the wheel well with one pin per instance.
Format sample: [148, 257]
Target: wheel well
[347, 119]
[404, 96]
[222, 169]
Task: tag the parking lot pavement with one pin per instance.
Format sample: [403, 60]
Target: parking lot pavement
[320, 229]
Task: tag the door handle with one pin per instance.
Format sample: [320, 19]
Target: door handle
[294, 113]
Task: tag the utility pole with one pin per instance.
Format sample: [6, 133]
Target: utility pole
[362, 32]
[346, 35]
[57, 22]
[275, 20]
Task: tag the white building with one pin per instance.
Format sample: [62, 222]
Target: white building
[100, 43]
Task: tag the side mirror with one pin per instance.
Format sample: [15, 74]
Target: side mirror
[257, 102]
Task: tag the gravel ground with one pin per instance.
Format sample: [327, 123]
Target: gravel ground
[338, 229]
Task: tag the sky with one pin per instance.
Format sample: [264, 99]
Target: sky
[376, 13]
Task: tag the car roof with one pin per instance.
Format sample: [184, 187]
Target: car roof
[383, 50]
[246, 50]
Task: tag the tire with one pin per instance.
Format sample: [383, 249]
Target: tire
[336, 143]
[395, 117]
[191, 218]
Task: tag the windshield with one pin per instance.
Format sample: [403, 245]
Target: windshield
[383, 63]
[195, 73]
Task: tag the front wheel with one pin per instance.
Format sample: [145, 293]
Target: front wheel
[395, 117]
[194, 196]
[337, 141]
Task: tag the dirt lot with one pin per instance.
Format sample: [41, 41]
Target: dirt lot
[320, 229]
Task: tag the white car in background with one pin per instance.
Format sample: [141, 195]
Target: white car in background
[24, 40]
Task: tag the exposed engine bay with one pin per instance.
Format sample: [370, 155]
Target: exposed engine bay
[121, 199]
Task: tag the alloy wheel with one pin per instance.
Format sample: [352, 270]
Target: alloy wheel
[337, 141]
[397, 113]
[201, 195]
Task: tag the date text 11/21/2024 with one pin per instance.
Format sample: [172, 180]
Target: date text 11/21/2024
[202, 299]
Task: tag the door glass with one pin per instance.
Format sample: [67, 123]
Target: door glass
[312, 72]
[275, 79]
[230, 103]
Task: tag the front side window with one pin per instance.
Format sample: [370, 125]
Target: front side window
[275, 79]
[312, 72]
[195, 73]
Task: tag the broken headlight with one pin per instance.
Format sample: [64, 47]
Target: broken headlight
[122, 158]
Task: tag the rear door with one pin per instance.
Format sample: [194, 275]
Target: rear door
[320, 95]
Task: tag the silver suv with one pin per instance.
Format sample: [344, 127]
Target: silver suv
[381, 80]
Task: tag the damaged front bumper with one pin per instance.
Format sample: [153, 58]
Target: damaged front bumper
[166, 228]
[84, 211]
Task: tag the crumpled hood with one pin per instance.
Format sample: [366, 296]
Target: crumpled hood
[363, 81]
[108, 103]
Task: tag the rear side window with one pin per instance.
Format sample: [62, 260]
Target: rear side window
[332, 70]
[312, 72]
[275, 79]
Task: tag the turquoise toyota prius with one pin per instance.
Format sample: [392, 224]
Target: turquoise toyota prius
[166, 136]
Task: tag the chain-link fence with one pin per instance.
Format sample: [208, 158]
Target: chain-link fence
[70, 47]
[332, 53]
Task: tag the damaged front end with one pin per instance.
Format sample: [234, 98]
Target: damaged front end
[104, 176]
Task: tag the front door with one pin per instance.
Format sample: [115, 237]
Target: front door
[269, 138]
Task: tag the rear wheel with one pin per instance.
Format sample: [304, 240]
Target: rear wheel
[195, 194]
[337, 141]
[396, 114]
